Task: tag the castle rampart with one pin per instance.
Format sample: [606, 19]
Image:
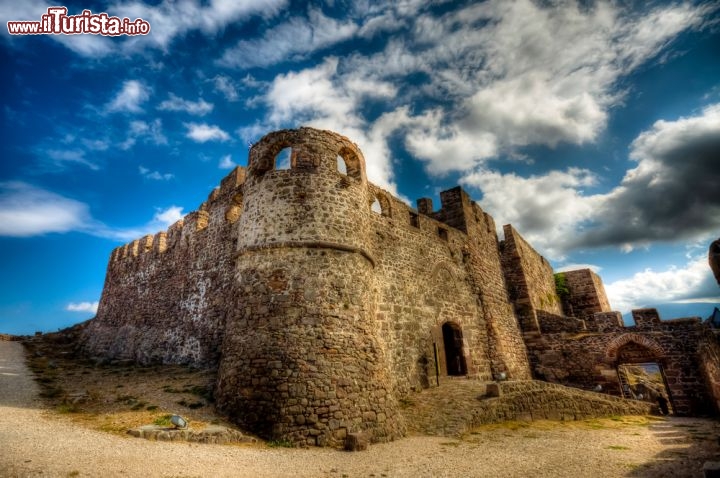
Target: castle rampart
[323, 300]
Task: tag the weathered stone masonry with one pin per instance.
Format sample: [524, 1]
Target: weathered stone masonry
[320, 314]
[586, 350]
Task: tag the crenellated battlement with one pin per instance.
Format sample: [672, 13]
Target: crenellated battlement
[227, 198]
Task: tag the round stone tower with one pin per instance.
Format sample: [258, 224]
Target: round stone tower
[302, 359]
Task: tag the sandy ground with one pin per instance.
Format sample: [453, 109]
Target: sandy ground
[35, 441]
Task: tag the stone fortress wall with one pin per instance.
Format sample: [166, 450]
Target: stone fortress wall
[323, 300]
[318, 311]
[585, 350]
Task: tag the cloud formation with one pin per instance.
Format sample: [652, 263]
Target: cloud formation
[673, 193]
[203, 132]
[83, 307]
[289, 41]
[693, 280]
[130, 97]
[175, 103]
[26, 210]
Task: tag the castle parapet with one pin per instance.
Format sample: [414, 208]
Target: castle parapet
[606, 321]
[646, 318]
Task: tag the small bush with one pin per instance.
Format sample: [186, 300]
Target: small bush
[163, 421]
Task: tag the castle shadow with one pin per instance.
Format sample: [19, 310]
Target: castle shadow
[689, 442]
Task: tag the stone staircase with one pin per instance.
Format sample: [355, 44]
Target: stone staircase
[458, 405]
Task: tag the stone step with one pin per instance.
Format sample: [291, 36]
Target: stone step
[457, 406]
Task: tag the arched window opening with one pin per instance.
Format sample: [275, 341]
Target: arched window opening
[380, 204]
[283, 160]
[351, 162]
[454, 353]
[341, 166]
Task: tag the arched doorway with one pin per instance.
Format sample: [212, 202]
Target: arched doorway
[454, 353]
[640, 372]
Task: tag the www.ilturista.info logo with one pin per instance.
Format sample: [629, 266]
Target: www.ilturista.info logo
[58, 22]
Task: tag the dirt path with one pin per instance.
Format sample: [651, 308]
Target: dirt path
[35, 442]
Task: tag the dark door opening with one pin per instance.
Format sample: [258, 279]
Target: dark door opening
[454, 356]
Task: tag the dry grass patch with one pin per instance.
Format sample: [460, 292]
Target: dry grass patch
[117, 397]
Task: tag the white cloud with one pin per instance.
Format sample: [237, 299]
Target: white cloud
[160, 221]
[292, 40]
[155, 175]
[167, 217]
[321, 98]
[203, 132]
[142, 130]
[83, 307]
[226, 162]
[693, 282]
[26, 210]
[61, 157]
[548, 209]
[533, 74]
[169, 19]
[174, 103]
[130, 97]
[226, 86]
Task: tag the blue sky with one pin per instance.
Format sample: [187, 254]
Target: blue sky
[592, 127]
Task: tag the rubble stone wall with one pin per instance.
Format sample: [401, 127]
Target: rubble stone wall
[164, 295]
[318, 309]
[587, 359]
[587, 294]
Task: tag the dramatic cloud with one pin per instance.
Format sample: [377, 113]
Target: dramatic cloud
[289, 41]
[202, 132]
[548, 209]
[472, 85]
[26, 210]
[533, 74]
[174, 103]
[672, 194]
[83, 307]
[691, 283]
[319, 97]
[130, 97]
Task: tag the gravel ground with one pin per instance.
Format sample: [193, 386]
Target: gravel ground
[35, 442]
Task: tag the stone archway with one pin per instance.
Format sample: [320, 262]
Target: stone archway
[639, 361]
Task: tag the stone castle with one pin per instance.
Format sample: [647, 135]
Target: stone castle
[323, 301]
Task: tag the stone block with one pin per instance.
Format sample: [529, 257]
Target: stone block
[356, 442]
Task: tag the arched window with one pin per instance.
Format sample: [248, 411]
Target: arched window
[341, 167]
[351, 162]
[283, 160]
